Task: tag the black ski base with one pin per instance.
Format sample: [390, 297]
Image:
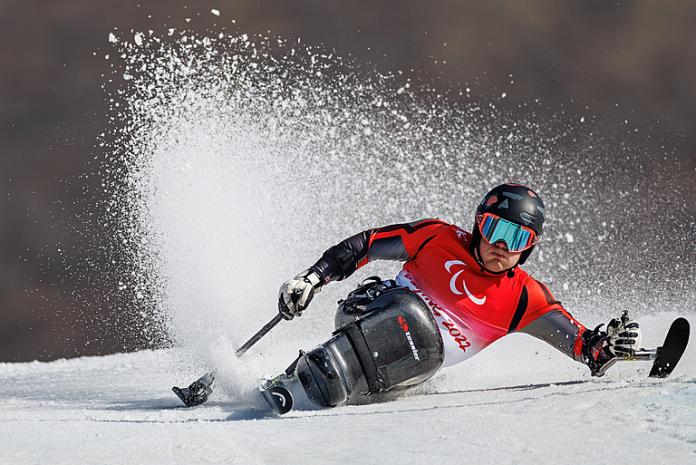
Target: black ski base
[672, 349]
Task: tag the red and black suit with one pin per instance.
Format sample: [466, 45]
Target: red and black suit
[471, 306]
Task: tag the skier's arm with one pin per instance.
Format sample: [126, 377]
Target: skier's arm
[399, 242]
[547, 320]
[396, 242]
[544, 317]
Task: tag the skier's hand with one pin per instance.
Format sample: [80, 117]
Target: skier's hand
[296, 294]
[623, 336]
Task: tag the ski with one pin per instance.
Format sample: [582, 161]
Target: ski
[667, 356]
[197, 392]
[278, 398]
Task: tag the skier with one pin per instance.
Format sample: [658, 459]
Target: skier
[457, 293]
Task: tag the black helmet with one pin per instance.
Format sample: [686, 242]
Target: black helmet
[516, 203]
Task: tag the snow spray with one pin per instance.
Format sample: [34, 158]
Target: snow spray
[237, 160]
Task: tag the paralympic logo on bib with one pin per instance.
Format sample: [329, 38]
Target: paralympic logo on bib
[453, 283]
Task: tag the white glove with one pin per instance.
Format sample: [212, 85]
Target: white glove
[296, 294]
[623, 336]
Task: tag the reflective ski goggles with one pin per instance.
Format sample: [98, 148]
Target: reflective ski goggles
[516, 237]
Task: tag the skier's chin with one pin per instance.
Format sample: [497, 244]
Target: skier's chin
[495, 259]
[495, 266]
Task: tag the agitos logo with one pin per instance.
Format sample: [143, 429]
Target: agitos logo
[404, 326]
[453, 283]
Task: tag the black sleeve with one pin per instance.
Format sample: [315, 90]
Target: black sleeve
[398, 242]
[341, 260]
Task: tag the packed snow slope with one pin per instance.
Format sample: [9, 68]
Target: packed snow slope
[517, 402]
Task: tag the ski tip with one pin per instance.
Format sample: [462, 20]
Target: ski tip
[681, 326]
[681, 321]
[668, 355]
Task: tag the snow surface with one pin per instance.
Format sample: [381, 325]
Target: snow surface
[517, 402]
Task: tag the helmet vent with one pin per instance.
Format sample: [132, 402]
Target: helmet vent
[512, 195]
[527, 218]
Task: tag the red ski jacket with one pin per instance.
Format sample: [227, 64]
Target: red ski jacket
[472, 307]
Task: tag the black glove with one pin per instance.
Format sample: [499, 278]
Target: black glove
[595, 350]
[622, 338]
[296, 294]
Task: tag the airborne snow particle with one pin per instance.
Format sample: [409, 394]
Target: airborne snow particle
[138, 38]
[112, 38]
[215, 12]
[215, 110]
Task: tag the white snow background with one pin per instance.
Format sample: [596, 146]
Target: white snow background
[239, 160]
